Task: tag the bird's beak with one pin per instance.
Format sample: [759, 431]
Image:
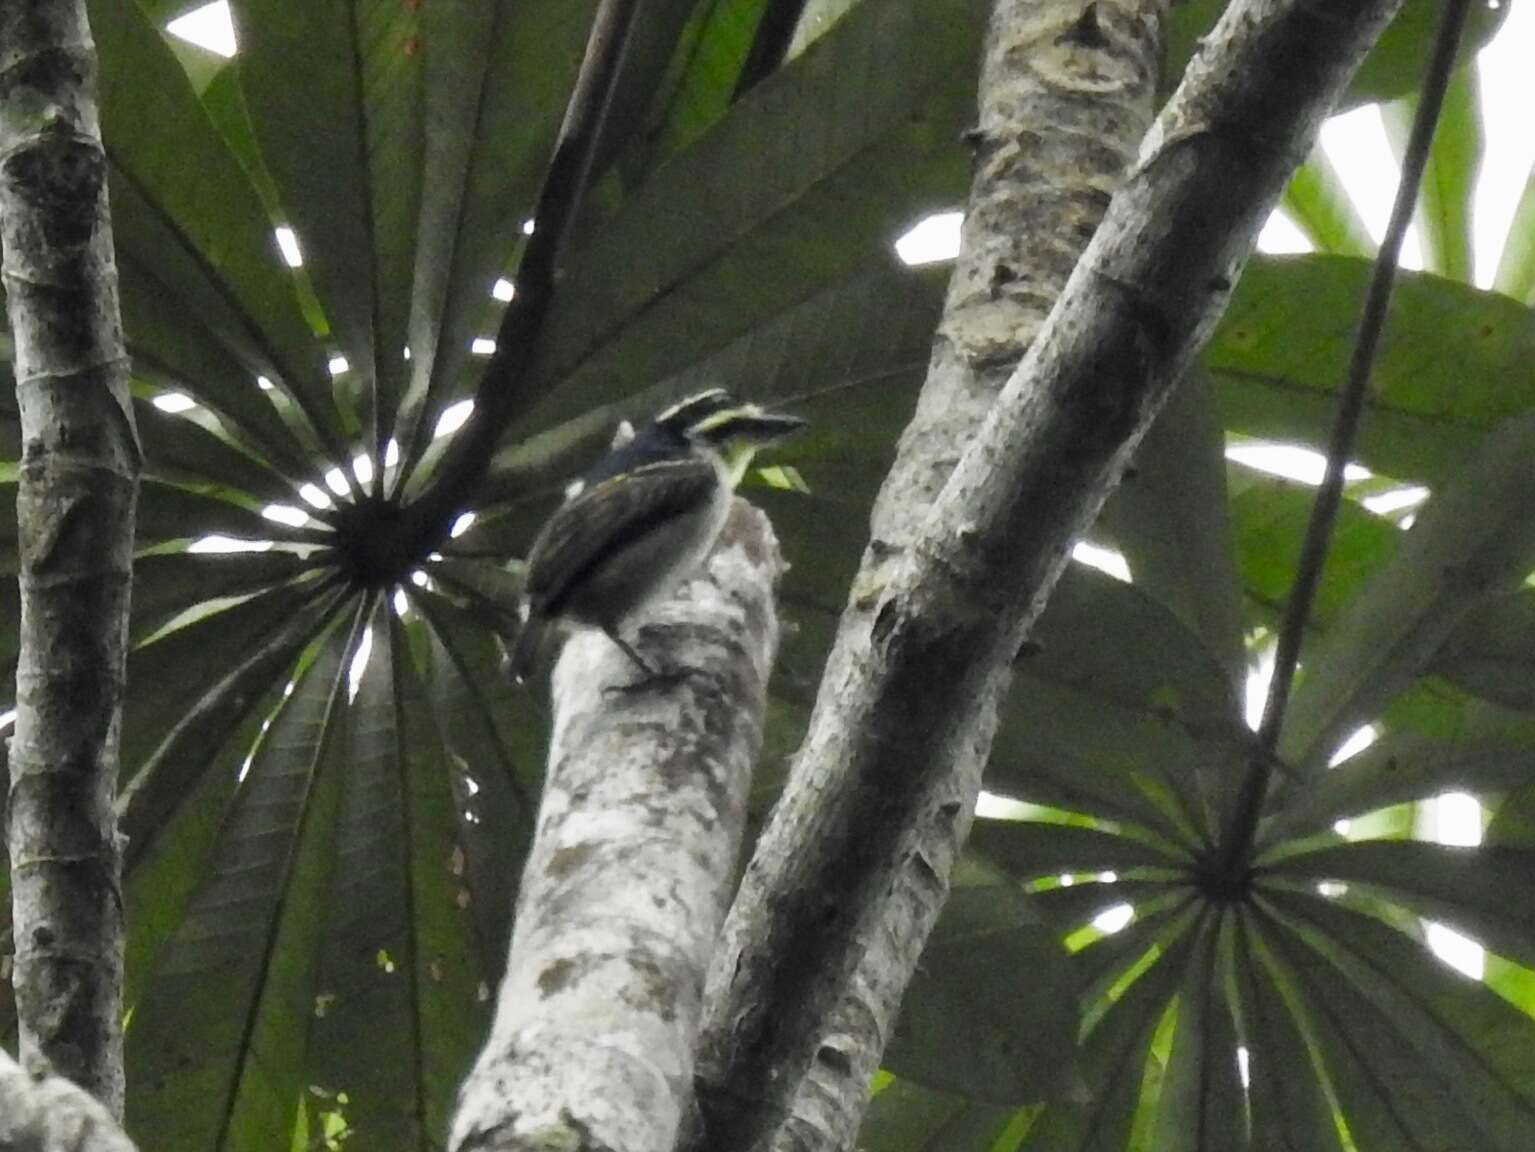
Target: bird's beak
[762, 428]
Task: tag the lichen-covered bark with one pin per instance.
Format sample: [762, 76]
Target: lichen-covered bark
[78, 480]
[850, 873]
[630, 871]
[49, 1114]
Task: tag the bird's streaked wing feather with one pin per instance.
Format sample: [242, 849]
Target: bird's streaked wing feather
[600, 519]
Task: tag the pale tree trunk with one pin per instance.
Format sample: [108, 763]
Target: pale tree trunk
[881, 795]
[79, 472]
[630, 871]
[1066, 93]
[49, 1114]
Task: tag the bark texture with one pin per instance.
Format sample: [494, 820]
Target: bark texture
[630, 872]
[49, 1114]
[1066, 94]
[884, 787]
[78, 481]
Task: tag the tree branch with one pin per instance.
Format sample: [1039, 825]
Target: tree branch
[910, 694]
[630, 871]
[1066, 94]
[78, 484]
[49, 1114]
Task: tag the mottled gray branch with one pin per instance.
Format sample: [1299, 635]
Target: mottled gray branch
[881, 793]
[49, 1114]
[1066, 94]
[78, 481]
[631, 870]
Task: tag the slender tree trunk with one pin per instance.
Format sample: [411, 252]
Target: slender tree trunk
[630, 871]
[78, 481]
[1066, 93]
[880, 797]
[49, 1114]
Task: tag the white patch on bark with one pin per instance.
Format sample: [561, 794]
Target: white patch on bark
[49, 1114]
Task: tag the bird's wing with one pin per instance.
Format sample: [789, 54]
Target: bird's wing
[604, 517]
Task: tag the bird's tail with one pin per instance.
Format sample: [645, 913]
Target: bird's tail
[520, 661]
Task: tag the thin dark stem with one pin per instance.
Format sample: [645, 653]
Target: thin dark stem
[1237, 843]
[558, 208]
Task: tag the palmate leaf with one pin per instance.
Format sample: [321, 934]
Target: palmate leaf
[397, 959]
[220, 1038]
[209, 240]
[1473, 539]
[747, 244]
[905, 1117]
[993, 1012]
[1483, 1048]
[350, 182]
[806, 201]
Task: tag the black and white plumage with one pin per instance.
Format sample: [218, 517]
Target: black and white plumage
[639, 520]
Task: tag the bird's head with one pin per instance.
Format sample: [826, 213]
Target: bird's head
[734, 430]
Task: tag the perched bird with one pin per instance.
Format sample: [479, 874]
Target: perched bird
[639, 520]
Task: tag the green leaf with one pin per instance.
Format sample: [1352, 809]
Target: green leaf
[1289, 1103]
[1452, 367]
[1270, 517]
[1393, 68]
[1069, 749]
[972, 1022]
[1113, 1062]
[856, 384]
[648, 50]
[1028, 850]
[1449, 181]
[1201, 1107]
[1483, 1048]
[498, 76]
[1492, 750]
[1392, 1096]
[905, 1117]
[180, 451]
[1489, 653]
[1465, 888]
[199, 739]
[493, 740]
[1397, 63]
[1473, 538]
[706, 79]
[169, 584]
[869, 117]
[350, 183]
[399, 958]
[219, 1033]
[209, 239]
[165, 868]
[1516, 268]
[1171, 519]
[173, 674]
[174, 350]
[1321, 207]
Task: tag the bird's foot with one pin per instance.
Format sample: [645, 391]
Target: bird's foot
[654, 679]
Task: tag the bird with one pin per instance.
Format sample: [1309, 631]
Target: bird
[638, 521]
